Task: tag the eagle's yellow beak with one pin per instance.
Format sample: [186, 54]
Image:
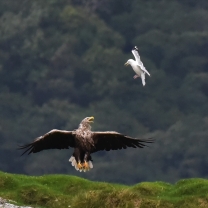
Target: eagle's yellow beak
[126, 64]
[91, 119]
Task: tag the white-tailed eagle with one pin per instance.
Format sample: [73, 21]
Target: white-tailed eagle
[84, 141]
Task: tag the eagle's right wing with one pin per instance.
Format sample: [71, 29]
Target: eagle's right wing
[54, 139]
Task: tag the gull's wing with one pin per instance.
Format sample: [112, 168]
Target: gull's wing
[111, 140]
[54, 139]
[138, 60]
[136, 55]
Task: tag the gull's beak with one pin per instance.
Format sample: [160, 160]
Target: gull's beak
[126, 64]
[91, 119]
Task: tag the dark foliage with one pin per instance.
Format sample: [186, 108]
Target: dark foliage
[61, 61]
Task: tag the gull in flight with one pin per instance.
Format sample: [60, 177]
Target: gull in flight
[137, 65]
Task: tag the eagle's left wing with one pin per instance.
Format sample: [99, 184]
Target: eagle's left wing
[111, 140]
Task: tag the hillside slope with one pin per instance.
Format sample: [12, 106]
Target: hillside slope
[71, 191]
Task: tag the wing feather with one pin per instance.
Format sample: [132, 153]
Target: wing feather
[136, 55]
[111, 140]
[55, 139]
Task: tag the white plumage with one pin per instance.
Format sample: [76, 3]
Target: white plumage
[137, 65]
[74, 163]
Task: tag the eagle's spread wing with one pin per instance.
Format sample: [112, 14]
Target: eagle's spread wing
[111, 140]
[138, 60]
[54, 139]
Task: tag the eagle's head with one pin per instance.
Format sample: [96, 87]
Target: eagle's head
[85, 123]
[88, 119]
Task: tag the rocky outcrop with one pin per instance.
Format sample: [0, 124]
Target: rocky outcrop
[8, 204]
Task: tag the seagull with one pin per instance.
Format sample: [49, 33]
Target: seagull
[137, 65]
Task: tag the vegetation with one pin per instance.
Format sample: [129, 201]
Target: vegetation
[71, 191]
[63, 60]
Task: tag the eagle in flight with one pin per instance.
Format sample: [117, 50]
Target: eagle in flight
[84, 141]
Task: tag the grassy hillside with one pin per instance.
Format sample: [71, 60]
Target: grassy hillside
[70, 191]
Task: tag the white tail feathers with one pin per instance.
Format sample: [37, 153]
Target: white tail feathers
[86, 166]
[73, 162]
[90, 164]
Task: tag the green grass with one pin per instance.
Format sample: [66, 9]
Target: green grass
[60, 191]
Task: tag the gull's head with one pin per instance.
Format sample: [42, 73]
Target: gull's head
[127, 63]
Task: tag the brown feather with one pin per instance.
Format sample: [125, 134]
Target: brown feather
[111, 140]
[55, 139]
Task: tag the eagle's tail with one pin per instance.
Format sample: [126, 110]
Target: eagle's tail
[85, 166]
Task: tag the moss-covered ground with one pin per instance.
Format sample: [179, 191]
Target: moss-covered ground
[60, 191]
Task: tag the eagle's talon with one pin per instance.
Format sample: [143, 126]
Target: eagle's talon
[85, 166]
[79, 165]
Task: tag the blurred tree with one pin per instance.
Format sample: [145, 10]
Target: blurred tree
[63, 60]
